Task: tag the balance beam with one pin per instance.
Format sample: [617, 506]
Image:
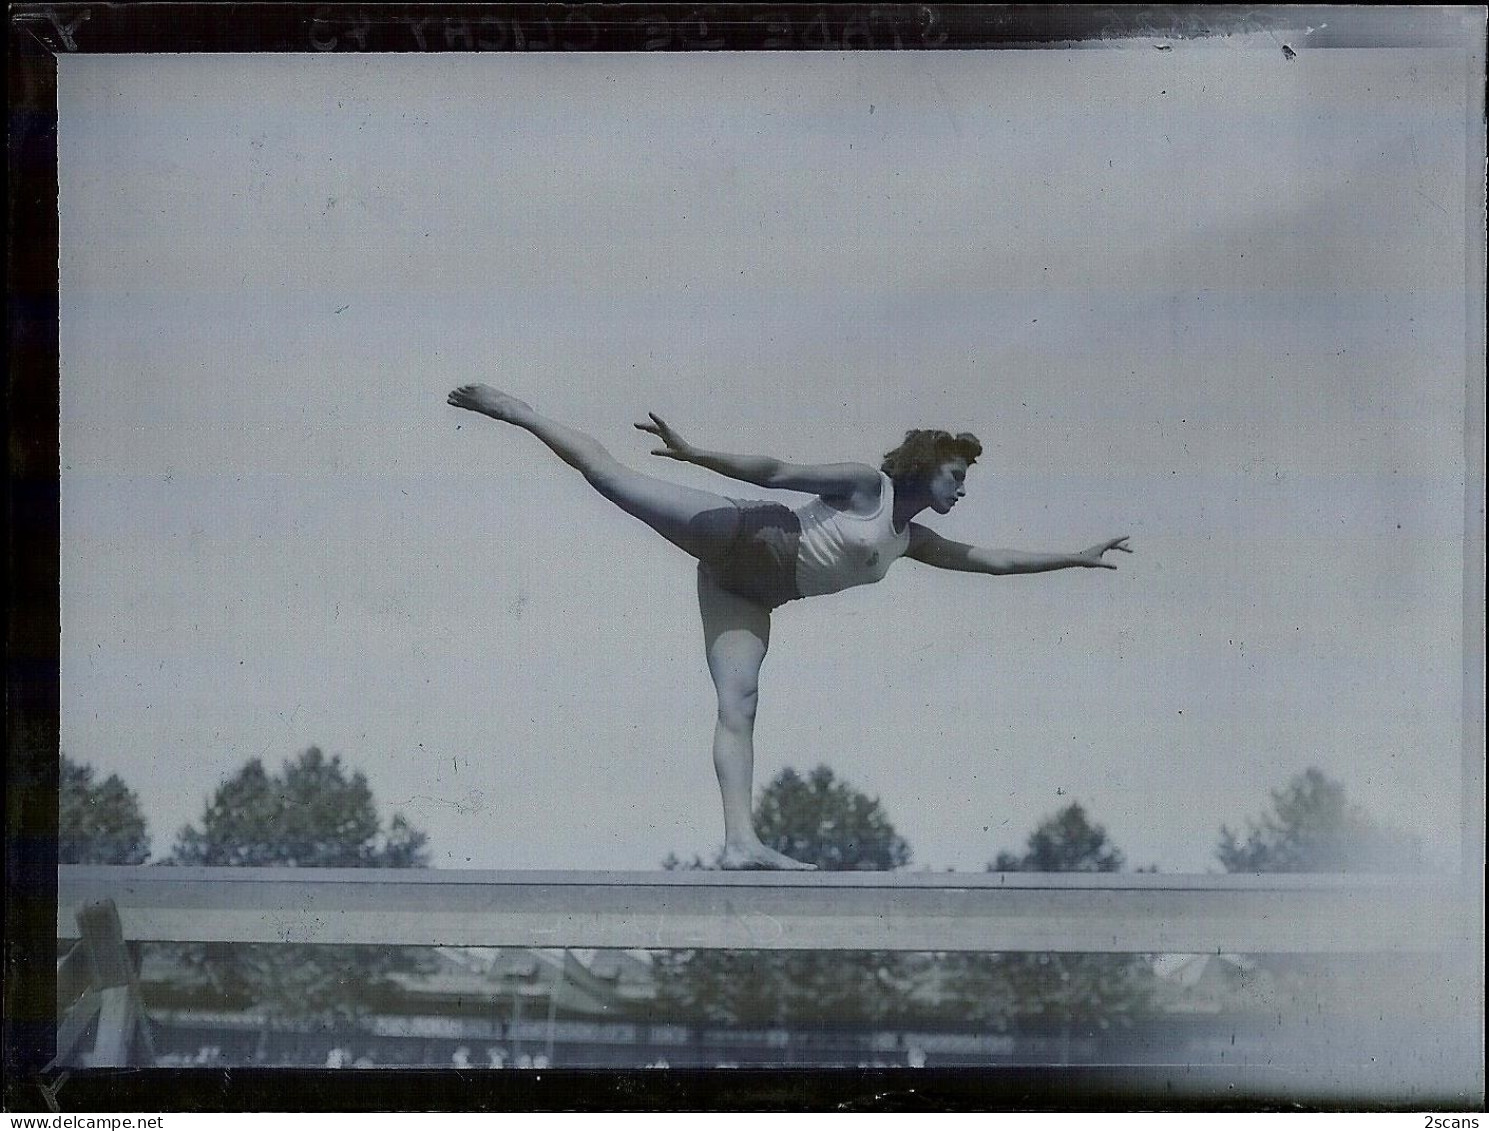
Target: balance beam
[1071, 912]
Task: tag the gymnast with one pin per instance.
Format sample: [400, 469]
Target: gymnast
[754, 556]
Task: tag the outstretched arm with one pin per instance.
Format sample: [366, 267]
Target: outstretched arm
[832, 480]
[929, 547]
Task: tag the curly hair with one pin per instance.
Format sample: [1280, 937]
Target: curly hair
[926, 449]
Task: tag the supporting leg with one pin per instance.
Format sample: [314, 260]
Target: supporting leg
[736, 634]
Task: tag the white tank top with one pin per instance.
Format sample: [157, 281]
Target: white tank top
[839, 550]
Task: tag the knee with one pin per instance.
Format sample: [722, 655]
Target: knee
[737, 708]
[593, 460]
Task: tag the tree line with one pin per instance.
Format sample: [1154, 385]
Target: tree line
[316, 812]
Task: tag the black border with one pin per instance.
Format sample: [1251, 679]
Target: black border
[32, 620]
[1051, 1089]
[35, 34]
[195, 26]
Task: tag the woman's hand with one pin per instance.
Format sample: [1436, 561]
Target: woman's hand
[674, 446]
[1092, 559]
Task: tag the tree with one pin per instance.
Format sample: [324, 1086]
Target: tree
[827, 822]
[1065, 842]
[1312, 827]
[310, 814]
[822, 820]
[1076, 992]
[98, 823]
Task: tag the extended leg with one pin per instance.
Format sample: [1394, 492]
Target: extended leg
[736, 633]
[698, 522]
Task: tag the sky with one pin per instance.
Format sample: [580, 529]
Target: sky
[1208, 298]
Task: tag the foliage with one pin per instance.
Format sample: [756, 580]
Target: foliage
[1073, 991]
[821, 820]
[98, 822]
[756, 988]
[827, 822]
[1312, 827]
[312, 813]
[1065, 842]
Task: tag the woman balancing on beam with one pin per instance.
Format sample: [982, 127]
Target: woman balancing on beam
[754, 556]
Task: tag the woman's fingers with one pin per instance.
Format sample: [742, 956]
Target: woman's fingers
[1114, 544]
[657, 427]
[1094, 556]
[660, 428]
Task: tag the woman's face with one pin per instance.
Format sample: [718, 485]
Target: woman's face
[947, 484]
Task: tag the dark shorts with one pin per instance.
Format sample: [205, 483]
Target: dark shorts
[759, 562]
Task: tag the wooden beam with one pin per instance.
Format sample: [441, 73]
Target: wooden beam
[1143, 913]
[103, 939]
[112, 995]
[117, 1020]
[74, 1025]
[74, 976]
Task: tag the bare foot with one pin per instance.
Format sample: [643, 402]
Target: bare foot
[758, 856]
[490, 402]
